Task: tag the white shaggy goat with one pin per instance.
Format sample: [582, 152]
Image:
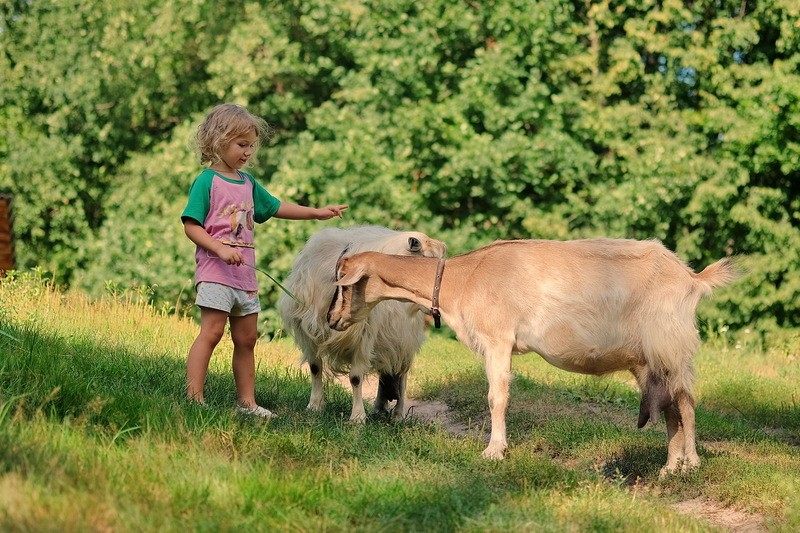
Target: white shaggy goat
[591, 306]
[385, 344]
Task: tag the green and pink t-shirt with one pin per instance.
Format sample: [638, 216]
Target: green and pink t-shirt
[228, 210]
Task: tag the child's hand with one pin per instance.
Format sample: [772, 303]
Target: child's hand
[330, 211]
[232, 256]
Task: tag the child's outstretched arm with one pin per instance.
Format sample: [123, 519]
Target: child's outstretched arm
[290, 211]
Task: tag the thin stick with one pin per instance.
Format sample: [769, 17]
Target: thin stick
[278, 283]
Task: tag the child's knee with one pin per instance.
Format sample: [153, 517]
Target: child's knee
[212, 334]
[245, 340]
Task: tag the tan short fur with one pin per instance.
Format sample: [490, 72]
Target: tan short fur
[592, 306]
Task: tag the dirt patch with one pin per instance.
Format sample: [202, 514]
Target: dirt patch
[435, 411]
[428, 411]
[721, 516]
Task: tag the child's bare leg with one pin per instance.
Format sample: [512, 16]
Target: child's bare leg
[244, 333]
[212, 327]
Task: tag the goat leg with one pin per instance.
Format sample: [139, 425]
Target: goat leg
[357, 414]
[389, 389]
[316, 401]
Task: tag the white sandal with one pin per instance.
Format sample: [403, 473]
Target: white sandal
[256, 411]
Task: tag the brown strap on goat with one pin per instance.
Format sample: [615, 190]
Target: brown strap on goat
[336, 268]
[437, 284]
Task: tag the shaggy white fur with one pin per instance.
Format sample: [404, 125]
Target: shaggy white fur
[385, 344]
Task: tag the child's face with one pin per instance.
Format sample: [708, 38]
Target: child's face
[239, 150]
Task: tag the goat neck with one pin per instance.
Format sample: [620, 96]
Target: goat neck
[368, 278]
[415, 279]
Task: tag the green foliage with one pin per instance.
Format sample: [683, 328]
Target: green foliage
[470, 121]
[141, 242]
[85, 85]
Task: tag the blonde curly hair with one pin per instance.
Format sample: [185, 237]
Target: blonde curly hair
[222, 125]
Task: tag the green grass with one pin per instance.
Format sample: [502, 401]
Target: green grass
[95, 435]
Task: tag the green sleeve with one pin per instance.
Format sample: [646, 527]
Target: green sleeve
[199, 199]
[266, 205]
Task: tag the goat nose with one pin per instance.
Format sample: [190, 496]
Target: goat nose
[339, 324]
[332, 322]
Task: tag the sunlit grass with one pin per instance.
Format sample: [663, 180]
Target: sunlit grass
[95, 435]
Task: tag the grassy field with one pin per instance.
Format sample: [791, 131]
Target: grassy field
[95, 436]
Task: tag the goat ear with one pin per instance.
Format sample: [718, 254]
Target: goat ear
[414, 245]
[351, 277]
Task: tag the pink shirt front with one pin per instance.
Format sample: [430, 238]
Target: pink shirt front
[229, 218]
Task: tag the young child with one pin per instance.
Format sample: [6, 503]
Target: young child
[224, 203]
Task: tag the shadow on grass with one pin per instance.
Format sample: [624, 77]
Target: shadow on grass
[742, 405]
[108, 389]
[636, 462]
[83, 379]
[549, 427]
[553, 420]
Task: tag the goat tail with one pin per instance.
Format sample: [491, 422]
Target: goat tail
[718, 274]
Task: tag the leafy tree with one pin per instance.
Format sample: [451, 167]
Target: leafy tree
[85, 84]
[471, 121]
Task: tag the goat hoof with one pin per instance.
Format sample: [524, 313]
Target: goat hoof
[689, 464]
[682, 466]
[358, 418]
[494, 453]
[381, 414]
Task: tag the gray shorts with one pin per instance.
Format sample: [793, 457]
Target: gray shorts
[235, 302]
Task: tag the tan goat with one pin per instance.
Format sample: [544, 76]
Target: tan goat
[592, 306]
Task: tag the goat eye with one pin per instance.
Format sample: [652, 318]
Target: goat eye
[414, 245]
